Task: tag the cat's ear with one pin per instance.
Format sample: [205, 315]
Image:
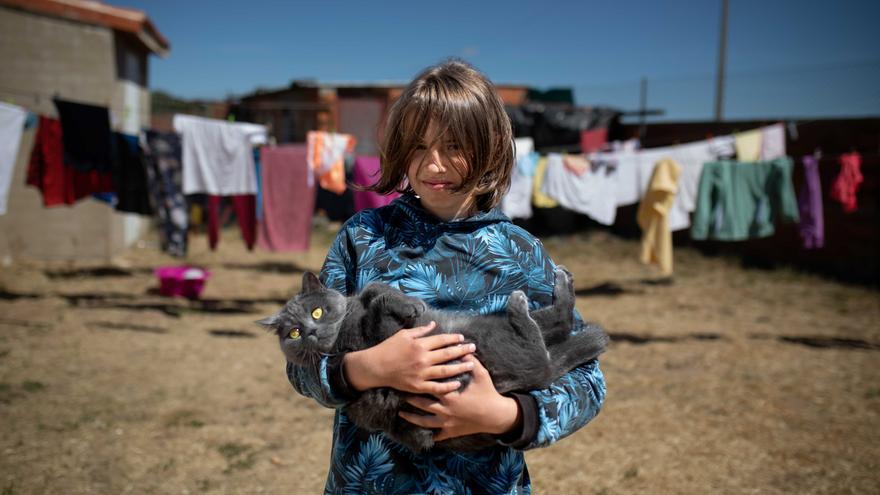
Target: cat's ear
[270, 322]
[311, 283]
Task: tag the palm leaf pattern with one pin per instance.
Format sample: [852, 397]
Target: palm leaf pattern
[367, 470]
[472, 266]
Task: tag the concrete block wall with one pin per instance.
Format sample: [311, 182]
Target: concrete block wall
[43, 57]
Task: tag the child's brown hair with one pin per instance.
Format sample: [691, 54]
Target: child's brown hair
[466, 110]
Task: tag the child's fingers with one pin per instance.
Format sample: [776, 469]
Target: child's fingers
[428, 405]
[451, 352]
[425, 421]
[448, 370]
[422, 330]
[479, 370]
[439, 388]
[440, 341]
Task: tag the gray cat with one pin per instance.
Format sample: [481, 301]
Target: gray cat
[521, 350]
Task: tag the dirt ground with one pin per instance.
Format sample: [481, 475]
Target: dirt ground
[727, 380]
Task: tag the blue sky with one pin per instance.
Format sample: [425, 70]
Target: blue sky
[785, 58]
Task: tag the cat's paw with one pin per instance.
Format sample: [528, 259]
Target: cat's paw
[564, 279]
[518, 302]
[413, 309]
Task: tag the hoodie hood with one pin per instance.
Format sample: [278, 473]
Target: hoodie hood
[410, 206]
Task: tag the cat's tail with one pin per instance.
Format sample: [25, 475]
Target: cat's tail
[579, 348]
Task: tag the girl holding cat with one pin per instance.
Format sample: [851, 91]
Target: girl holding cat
[448, 149]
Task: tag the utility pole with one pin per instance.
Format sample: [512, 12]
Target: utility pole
[643, 108]
[722, 54]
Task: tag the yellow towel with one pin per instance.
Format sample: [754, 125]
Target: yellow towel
[748, 145]
[653, 215]
[539, 199]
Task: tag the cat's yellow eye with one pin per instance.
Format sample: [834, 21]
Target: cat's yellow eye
[317, 313]
[294, 333]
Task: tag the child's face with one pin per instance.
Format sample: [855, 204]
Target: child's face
[433, 174]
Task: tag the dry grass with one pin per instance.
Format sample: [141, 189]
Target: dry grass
[712, 386]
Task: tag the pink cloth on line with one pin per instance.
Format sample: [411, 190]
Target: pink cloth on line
[847, 183]
[366, 172]
[593, 140]
[288, 199]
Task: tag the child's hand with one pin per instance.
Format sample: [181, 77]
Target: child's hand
[410, 361]
[478, 409]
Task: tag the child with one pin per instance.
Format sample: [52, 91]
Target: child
[448, 148]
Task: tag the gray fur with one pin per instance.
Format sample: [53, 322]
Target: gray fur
[522, 350]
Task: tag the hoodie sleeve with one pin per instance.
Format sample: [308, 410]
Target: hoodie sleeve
[571, 401]
[325, 381]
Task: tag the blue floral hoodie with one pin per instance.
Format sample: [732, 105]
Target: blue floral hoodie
[469, 265]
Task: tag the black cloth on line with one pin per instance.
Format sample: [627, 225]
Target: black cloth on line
[86, 134]
[130, 176]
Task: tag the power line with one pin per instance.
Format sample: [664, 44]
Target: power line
[790, 70]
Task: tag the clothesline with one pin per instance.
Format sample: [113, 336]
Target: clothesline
[860, 151]
[39, 96]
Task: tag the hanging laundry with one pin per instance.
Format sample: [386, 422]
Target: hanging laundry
[257, 134]
[626, 164]
[106, 197]
[723, 147]
[630, 145]
[12, 122]
[576, 164]
[288, 199]
[217, 155]
[539, 199]
[88, 144]
[244, 206]
[517, 202]
[366, 172]
[590, 193]
[259, 175]
[812, 223]
[741, 200]
[526, 158]
[197, 206]
[772, 142]
[326, 158]
[634, 169]
[523, 146]
[528, 164]
[691, 158]
[653, 215]
[130, 176]
[748, 145]
[847, 183]
[593, 140]
[31, 121]
[47, 171]
[162, 155]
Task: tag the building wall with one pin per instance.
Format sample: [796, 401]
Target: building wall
[512, 95]
[363, 118]
[289, 114]
[44, 57]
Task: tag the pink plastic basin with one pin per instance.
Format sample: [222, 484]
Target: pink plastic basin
[186, 281]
